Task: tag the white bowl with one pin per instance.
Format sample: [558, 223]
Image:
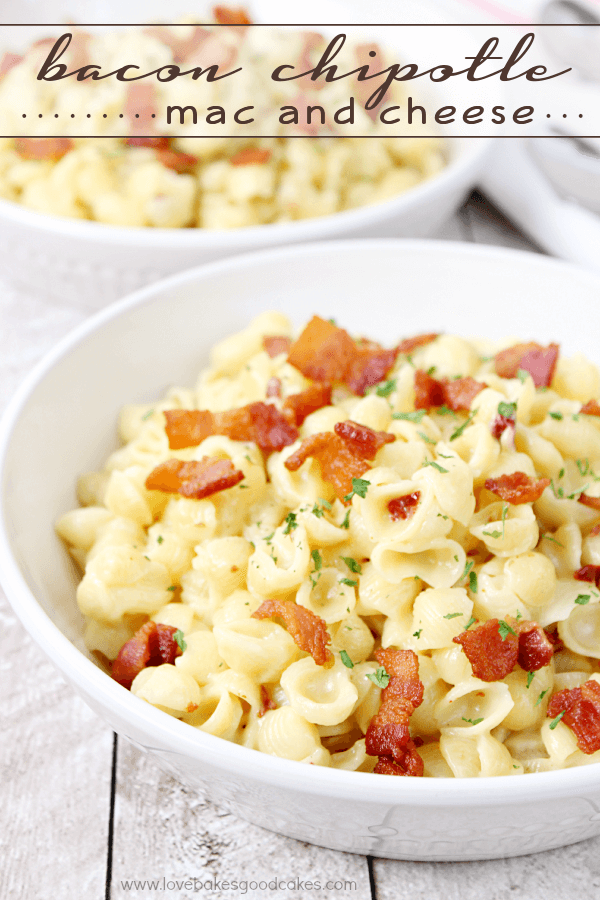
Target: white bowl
[62, 422]
[90, 264]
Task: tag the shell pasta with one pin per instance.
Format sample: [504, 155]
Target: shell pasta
[381, 560]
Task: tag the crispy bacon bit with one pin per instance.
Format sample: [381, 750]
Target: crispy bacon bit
[591, 408]
[308, 630]
[188, 427]
[140, 102]
[339, 465]
[195, 479]
[229, 15]
[176, 160]
[588, 573]
[539, 361]
[411, 763]
[581, 707]
[273, 387]
[403, 507]
[152, 645]
[276, 344]
[251, 156]
[297, 407]
[535, 647]
[592, 502]
[491, 657]
[362, 440]
[323, 352]
[157, 143]
[410, 344]
[258, 422]
[9, 61]
[500, 424]
[326, 353]
[457, 395]
[43, 148]
[388, 735]
[265, 702]
[517, 488]
[342, 456]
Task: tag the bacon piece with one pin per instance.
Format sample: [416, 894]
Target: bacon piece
[361, 439]
[157, 143]
[274, 344]
[231, 15]
[273, 388]
[258, 422]
[370, 365]
[141, 101]
[388, 735]
[176, 160]
[588, 573]
[9, 61]
[535, 647]
[323, 352]
[152, 645]
[411, 763]
[457, 395]
[595, 530]
[500, 424]
[539, 361]
[591, 408]
[43, 148]
[251, 156]
[308, 630]
[592, 502]
[517, 488]
[491, 658]
[410, 344]
[403, 507]
[581, 707]
[428, 391]
[188, 427]
[339, 465]
[196, 479]
[265, 702]
[310, 41]
[297, 407]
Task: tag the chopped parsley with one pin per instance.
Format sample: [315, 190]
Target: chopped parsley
[508, 410]
[426, 438]
[179, 640]
[317, 511]
[465, 424]
[417, 634]
[430, 462]
[556, 415]
[415, 416]
[530, 677]
[359, 487]
[159, 539]
[473, 582]
[504, 515]
[316, 557]
[452, 615]
[386, 388]
[553, 539]
[582, 599]
[471, 621]
[346, 523]
[352, 564]
[346, 659]
[446, 411]
[269, 537]
[472, 721]
[172, 588]
[324, 503]
[492, 534]
[290, 523]
[583, 469]
[541, 697]
[504, 629]
[522, 375]
[431, 370]
[349, 582]
[380, 677]
[147, 415]
[555, 721]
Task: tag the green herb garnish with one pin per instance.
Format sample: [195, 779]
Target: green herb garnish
[380, 677]
[464, 425]
[386, 388]
[290, 523]
[430, 462]
[346, 659]
[359, 487]
[352, 564]
[582, 599]
[504, 629]
[415, 416]
[179, 640]
[507, 410]
[555, 721]
[316, 556]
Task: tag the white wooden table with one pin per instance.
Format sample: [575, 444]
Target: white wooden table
[82, 812]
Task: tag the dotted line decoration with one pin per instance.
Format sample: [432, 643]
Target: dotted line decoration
[137, 115]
